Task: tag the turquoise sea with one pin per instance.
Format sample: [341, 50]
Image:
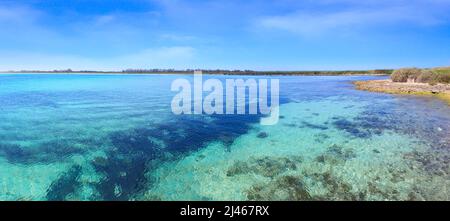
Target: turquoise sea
[114, 137]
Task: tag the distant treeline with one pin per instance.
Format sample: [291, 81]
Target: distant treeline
[217, 71]
[251, 72]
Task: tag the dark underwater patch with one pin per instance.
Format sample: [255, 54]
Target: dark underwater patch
[124, 177]
[45, 153]
[127, 161]
[399, 118]
[66, 184]
[290, 125]
[351, 128]
[313, 126]
[125, 166]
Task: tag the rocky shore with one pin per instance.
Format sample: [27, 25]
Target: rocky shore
[441, 91]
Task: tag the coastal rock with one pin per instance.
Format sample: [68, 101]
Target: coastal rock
[441, 91]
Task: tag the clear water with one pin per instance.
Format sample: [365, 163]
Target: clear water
[113, 137]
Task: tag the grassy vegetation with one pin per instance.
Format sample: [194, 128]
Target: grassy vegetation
[442, 70]
[431, 76]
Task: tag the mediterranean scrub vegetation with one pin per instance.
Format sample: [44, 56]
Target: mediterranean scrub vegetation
[431, 76]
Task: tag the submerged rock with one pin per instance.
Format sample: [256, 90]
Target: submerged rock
[335, 188]
[320, 138]
[290, 125]
[266, 166]
[313, 126]
[335, 155]
[283, 188]
[351, 128]
[100, 162]
[238, 168]
[200, 157]
[262, 135]
[437, 163]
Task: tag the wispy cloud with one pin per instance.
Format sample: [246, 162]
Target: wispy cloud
[249, 34]
[178, 37]
[356, 16]
[25, 60]
[163, 57]
[13, 14]
[104, 19]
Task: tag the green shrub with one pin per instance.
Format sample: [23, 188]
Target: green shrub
[402, 75]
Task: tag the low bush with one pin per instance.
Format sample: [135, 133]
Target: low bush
[443, 78]
[426, 77]
[402, 75]
[421, 76]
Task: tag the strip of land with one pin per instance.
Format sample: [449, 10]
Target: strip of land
[208, 71]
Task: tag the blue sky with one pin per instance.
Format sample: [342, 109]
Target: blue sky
[228, 34]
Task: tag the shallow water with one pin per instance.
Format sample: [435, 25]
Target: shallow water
[114, 137]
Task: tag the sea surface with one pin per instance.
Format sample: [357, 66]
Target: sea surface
[114, 137]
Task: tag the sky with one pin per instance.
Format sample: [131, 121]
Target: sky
[224, 34]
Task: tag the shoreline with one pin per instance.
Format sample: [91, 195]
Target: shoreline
[440, 91]
[325, 73]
